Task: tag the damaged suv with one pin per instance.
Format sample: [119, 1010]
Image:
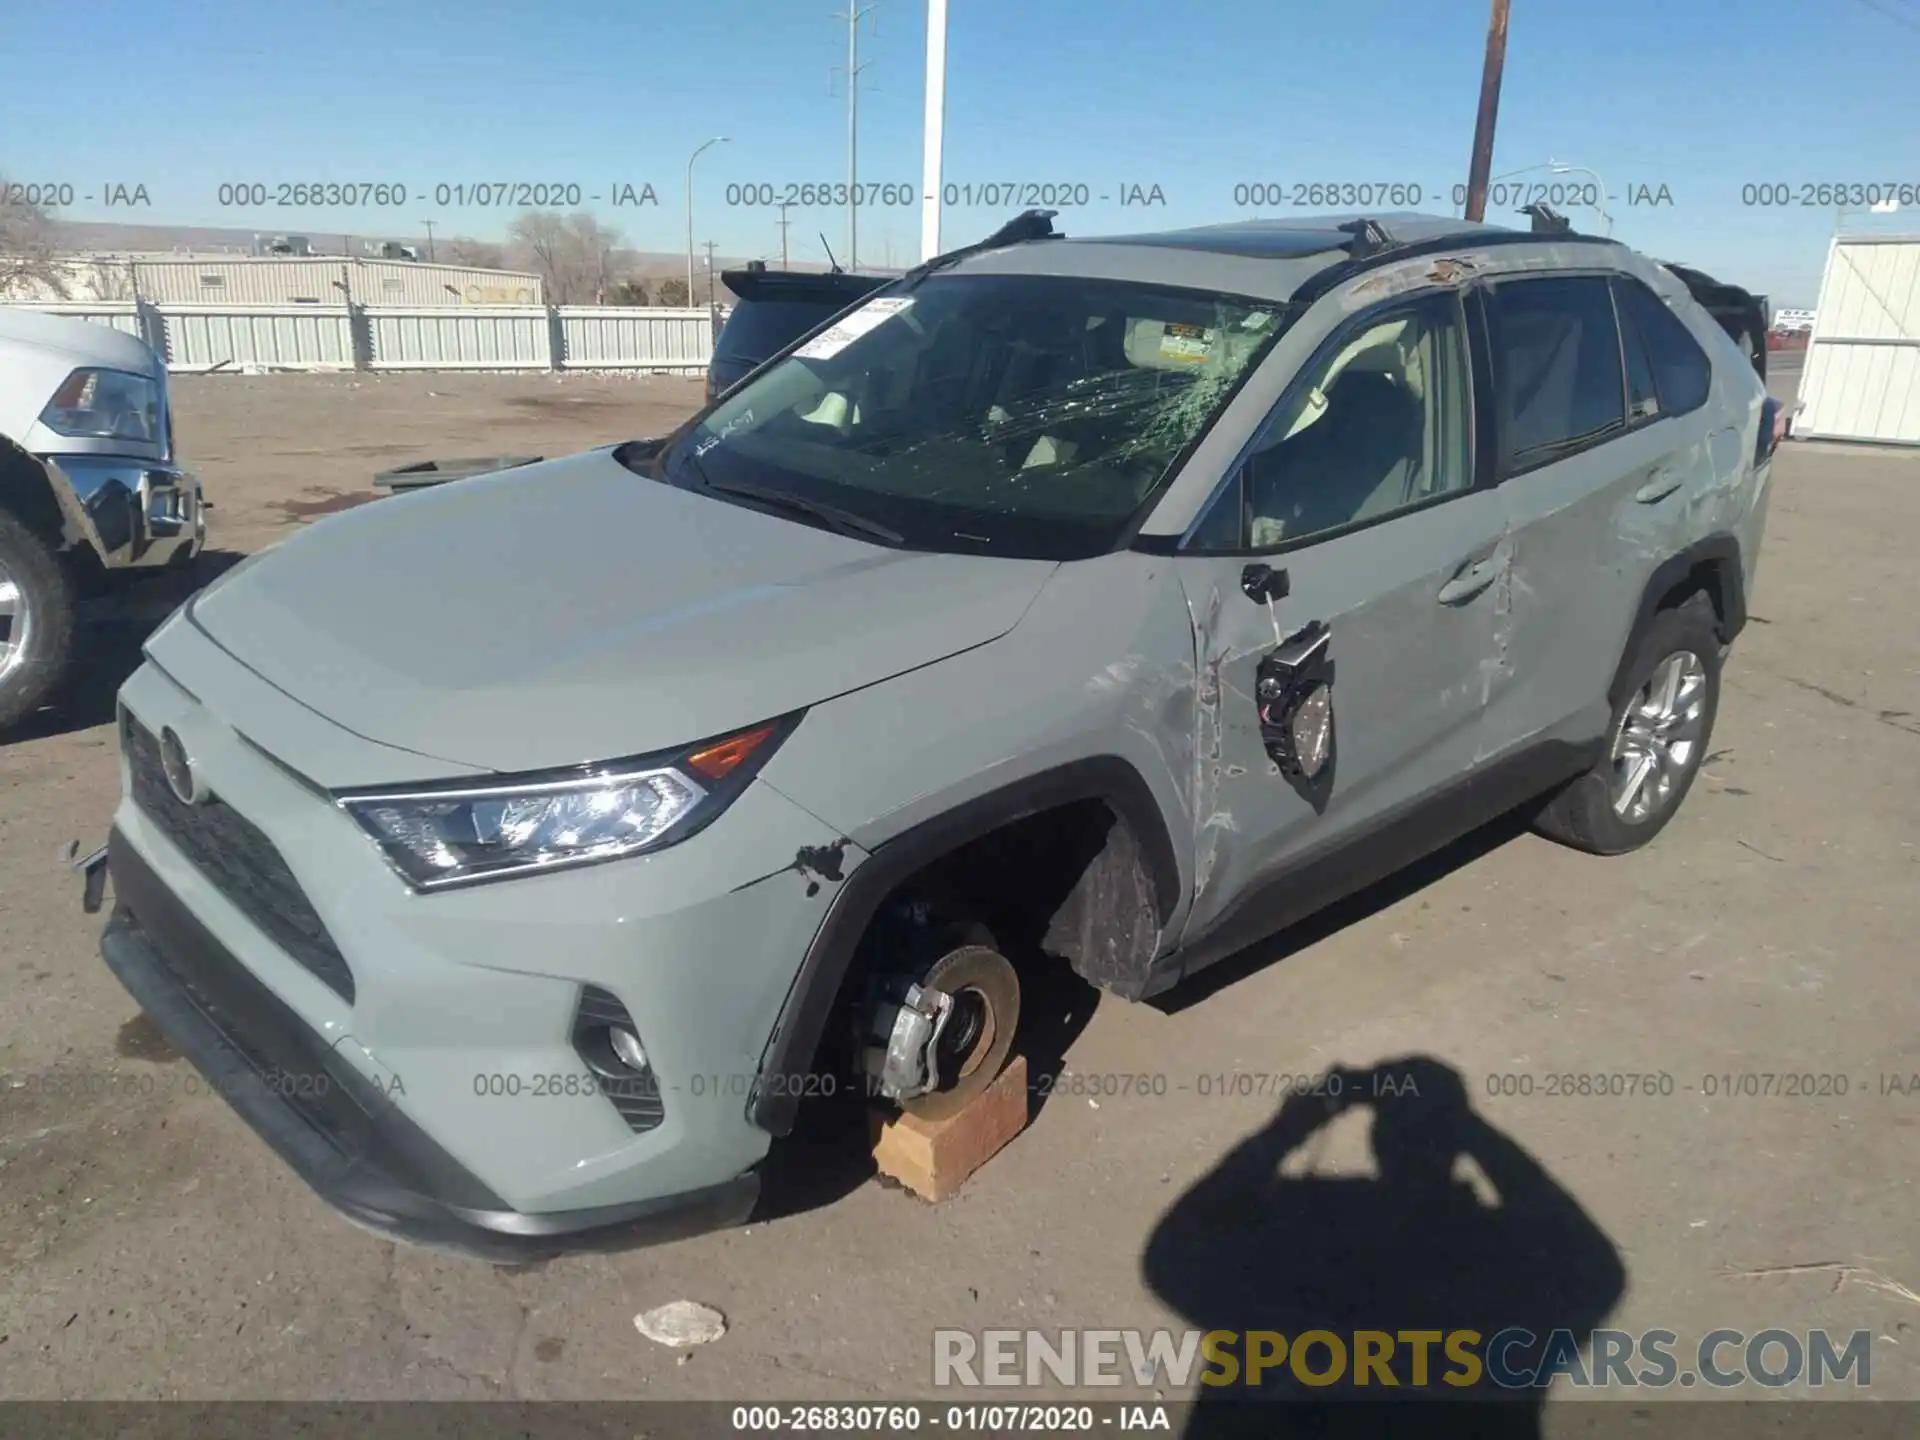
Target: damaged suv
[517, 856]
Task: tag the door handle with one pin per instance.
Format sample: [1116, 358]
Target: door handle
[1263, 583]
[1662, 484]
[1470, 581]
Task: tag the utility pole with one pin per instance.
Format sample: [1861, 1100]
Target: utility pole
[855, 14]
[429, 225]
[1489, 112]
[785, 205]
[709, 250]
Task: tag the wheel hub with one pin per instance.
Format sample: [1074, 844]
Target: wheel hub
[934, 1042]
[1658, 739]
[16, 623]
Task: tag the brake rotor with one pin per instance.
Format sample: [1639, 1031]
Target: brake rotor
[972, 1047]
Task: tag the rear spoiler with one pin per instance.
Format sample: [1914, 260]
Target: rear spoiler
[756, 282]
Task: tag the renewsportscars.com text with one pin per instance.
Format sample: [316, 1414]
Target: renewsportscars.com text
[1510, 1359]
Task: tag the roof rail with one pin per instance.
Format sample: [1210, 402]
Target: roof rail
[1027, 225]
[1370, 237]
[1546, 220]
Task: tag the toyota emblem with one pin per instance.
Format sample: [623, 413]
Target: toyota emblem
[179, 769]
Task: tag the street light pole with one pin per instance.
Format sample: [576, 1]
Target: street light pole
[716, 140]
[933, 128]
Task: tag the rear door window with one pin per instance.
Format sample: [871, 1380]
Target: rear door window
[1682, 374]
[760, 328]
[1557, 367]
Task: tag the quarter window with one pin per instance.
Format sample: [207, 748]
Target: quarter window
[1557, 367]
[1681, 371]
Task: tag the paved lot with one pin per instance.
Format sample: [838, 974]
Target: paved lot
[150, 1247]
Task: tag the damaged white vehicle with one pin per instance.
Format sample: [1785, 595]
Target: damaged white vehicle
[88, 488]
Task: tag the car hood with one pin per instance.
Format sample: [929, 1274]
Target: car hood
[574, 611]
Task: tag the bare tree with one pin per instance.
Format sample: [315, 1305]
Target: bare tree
[481, 254]
[29, 247]
[111, 280]
[573, 254]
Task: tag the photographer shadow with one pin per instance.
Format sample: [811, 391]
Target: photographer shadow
[1417, 1246]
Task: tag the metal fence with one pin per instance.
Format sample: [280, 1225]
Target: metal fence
[404, 337]
[1862, 380]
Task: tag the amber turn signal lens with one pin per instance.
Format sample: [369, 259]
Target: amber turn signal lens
[722, 758]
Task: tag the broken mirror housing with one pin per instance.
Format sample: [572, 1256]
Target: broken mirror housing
[1294, 688]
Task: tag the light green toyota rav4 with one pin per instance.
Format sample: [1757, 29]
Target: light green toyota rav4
[518, 855]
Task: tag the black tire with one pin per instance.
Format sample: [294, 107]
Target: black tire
[46, 615]
[1582, 814]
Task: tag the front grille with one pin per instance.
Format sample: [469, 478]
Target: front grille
[238, 861]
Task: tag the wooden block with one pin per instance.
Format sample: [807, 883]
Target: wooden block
[933, 1158]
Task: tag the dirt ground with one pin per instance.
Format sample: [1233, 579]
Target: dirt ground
[151, 1247]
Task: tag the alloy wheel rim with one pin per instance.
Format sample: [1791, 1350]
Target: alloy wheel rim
[1658, 739]
[16, 623]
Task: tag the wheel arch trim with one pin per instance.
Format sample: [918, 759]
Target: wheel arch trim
[803, 1017]
[1719, 555]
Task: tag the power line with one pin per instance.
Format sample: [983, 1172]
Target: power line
[1898, 16]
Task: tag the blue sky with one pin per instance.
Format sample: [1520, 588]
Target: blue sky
[1196, 98]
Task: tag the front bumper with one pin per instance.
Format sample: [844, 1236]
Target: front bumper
[134, 514]
[465, 1009]
[339, 1131]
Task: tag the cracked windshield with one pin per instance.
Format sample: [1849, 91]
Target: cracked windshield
[1016, 414]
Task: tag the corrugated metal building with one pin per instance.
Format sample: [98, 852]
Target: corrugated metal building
[227, 279]
[1862, 380]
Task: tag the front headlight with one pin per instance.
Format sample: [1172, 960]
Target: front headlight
[107, 405]
[468, 831]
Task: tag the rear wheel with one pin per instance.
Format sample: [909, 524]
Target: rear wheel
[1656, 742]
[36, 621]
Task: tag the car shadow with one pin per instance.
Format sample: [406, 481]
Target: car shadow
[1338, 916]
[1419, 1245]
[109, 634]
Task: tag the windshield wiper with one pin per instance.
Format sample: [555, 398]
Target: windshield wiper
[845, 521]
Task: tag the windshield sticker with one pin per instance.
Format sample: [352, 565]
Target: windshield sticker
[1187, 344]
[849, 328]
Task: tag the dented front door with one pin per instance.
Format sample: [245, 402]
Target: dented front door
[1411, 653]
[1348, 626]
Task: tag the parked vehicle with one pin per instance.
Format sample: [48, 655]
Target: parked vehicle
[1742, 314]
[89, 490]
[776, 308]
[1121, 600]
